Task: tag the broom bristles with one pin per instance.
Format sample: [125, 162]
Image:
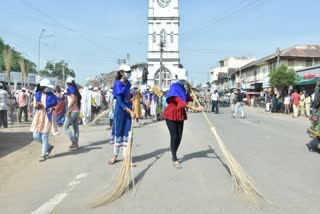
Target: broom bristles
[241, 181]
[123, 180]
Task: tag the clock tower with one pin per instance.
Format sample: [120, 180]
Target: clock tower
[163, 27]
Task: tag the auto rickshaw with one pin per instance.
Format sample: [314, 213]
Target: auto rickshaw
[314, 130]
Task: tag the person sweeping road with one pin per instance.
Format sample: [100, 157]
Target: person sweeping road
[123, 113]
[175, 114]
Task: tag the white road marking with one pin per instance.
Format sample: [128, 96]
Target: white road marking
[58, 198]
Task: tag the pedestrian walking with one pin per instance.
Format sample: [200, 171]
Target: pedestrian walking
[136, 100]
[61, 107]
[287, 102]
[111, 105]
[73, 112]
[153, 106]
[96, 95]
[123, 113]
[147, 102]
[175, 114]
[295, 103]
[239, 105]
[23, 104]
[44, 102]
[215, 102]
[86, 105]
[13, 104]
[302, 104]
[268, 101]
[308, 104]
[207, 100]
[232, 101]
[4, 103]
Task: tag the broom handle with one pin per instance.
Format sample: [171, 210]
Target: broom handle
[131, 139]
[97, 118]
[197, 101]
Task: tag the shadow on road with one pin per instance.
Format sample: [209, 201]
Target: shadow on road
[82, 149]
[313, 146]
[147, 156]
[139, 177]
[13, 141]
[205, 154]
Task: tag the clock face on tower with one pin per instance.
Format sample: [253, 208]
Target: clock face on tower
[163, 3]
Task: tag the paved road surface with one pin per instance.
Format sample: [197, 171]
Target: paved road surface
[270, 148]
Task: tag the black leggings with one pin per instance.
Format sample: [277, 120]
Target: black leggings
[176, 130]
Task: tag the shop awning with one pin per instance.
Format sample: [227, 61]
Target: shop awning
[307, 81]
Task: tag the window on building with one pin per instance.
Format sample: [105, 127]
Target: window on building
[154, 37]
[172, 37]
[291, 63]
[308, 63]
[166, 78]
[163, 36]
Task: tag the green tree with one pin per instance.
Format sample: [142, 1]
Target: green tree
[55, 69]
[16, 58]
[282, 77]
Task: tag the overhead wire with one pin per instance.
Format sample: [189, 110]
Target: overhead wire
[245, 6]
[63, 26]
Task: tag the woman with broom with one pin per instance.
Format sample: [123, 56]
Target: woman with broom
[175, 114]
[123, 113]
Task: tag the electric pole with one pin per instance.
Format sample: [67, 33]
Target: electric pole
[121, 61]
[278, 58]
[63, 76]
[161, 58]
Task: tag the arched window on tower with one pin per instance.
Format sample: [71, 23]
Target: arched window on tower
[154, 37]
[166, 78]
[163, 36]
[172, 37]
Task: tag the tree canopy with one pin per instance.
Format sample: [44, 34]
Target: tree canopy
[282, 76]
[55, 69]
[16, 57]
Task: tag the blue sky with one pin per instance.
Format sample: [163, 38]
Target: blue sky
[92, 35]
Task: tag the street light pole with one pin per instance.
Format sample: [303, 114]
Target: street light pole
[160, 71]
[39, 44]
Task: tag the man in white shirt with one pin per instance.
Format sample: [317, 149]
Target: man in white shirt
[4, 100]
[215, 101]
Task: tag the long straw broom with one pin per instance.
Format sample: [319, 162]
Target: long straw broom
[123, 180]
[241, 181]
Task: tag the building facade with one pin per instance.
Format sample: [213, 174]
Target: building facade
[220, 74]
[254, 76]
[163, 25]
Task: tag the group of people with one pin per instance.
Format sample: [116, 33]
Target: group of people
[51, 108]
[128, 103]
[301, 103]
[232, 98]
[298, 103]
[14, 105]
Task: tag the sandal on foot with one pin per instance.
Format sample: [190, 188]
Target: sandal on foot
[177, 165]
[113, 160]
[43, 158]
[74, 146]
